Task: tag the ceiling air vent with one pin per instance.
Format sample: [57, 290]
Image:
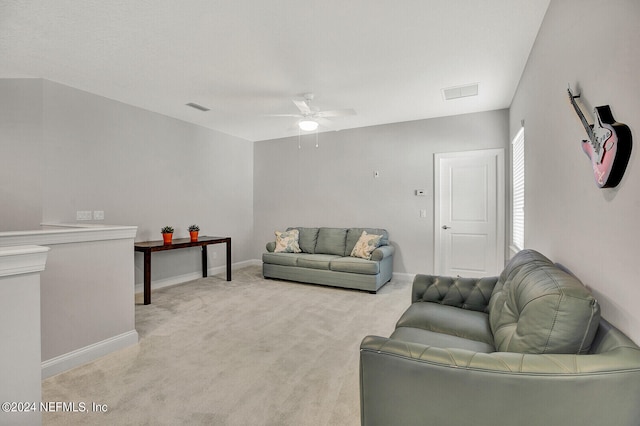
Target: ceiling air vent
[196, 106]
[460, 91]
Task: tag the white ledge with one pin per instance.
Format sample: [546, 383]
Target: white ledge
[22, 260]
[59, 233]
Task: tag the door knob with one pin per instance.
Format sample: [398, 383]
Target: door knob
[446, 227]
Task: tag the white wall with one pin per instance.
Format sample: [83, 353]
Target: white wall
[20, 269]
[86, 298]
[334, 185]
[593, 45]
[139, 167]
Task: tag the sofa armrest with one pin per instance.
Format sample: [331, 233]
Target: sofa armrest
[271, 246]
[382, 252]
[408, 383]
[466, 293]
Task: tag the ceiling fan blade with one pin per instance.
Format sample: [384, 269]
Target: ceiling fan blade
[284, 115]
[302, 106]
[323, 122]
[336, 113]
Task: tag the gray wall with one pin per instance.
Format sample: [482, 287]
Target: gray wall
[86, 152]
[334, 185]
[593, 232]
[21, 156]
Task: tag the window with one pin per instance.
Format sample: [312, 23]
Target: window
[517, 194]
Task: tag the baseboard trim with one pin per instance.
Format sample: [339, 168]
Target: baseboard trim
[179, 279]
[244, 264]
[87, 354]
[403, 276]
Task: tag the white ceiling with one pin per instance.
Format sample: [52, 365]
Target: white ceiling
[245, 59]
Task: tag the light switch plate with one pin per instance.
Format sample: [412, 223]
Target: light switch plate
[83, 215]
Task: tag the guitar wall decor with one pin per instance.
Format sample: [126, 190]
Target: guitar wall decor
[608, 146]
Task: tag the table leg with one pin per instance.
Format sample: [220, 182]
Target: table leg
[204, 261]
[229, 259]
[147, 277]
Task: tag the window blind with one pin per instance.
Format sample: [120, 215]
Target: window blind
[517, 185]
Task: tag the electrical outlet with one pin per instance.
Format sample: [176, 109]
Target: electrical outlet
[83, 215]
[98, 215]
[423, 213]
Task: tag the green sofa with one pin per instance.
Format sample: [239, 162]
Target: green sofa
[526, 348]
[325, 259]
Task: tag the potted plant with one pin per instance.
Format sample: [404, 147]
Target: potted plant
[193, 232]
[167, 234]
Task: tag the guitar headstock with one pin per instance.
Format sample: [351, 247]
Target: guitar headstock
[571, 95]
[587, 127]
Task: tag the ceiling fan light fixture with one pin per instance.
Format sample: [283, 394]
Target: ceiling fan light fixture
[308, 125]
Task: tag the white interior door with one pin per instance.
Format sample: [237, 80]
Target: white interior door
[469, 213]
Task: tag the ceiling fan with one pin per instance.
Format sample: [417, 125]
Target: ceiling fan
[311, 117]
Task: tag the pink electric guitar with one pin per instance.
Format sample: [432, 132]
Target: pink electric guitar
[608, 146]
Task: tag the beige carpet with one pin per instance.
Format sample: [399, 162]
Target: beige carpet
[246, 352]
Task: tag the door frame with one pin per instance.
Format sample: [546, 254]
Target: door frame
[500, 202]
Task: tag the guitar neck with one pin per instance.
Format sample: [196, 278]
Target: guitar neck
[586, 125]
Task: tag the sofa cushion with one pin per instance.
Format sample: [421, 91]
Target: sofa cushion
[355, 265]
[464, 323]
[316, 261]
[287, 242]
[353, 235]
[308, 238]
[284, 259]
[366, 244]
[440, 340]
[331, 241]
[542, 309]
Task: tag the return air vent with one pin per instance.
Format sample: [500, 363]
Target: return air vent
[196, 106]
[460, 91]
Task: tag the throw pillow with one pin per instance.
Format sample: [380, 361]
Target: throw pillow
[287, 242]
[366, 244]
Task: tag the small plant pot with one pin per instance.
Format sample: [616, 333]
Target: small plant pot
[167, 238]
[193, 235]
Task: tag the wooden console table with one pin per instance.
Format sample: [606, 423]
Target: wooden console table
[148, 247]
